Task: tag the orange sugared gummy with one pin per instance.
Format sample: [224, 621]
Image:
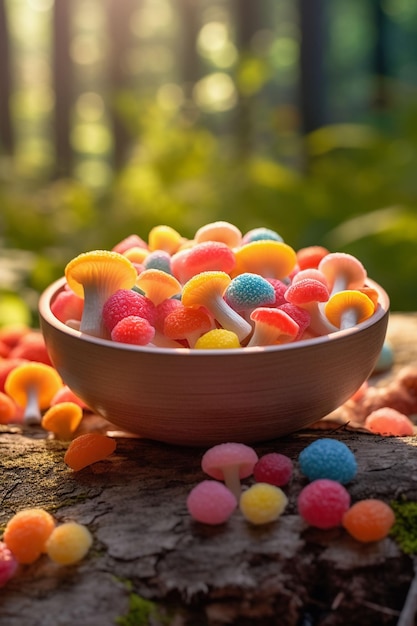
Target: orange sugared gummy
[88, 449]
[27, 532]
[8, 409]
[369, 520]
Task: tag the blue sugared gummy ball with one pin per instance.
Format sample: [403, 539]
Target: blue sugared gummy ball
[328, 458]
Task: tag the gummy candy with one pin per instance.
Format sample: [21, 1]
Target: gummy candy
[273, 468]
[27, 532]
[211, 502]
[262, 503]
[88, 449]
[68, 543]
[369, 520]
[328, 458]
[323, 503]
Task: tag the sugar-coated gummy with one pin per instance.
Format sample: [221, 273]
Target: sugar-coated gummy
[262, 503]
[328, 458]
[8, 564]
[369, 520]
[273, 468]
[323, 503]
[211, 502]
[387, 421]
[26, 533]
[69, 543]
[87, 449]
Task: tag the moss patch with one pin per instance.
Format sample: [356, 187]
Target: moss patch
[404, 530]
[143, 612]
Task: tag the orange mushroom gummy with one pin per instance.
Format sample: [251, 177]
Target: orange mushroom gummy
[32, 386]
[62, 419]
[95, 276]
[349, 307]
[157, 285]
[206, 290]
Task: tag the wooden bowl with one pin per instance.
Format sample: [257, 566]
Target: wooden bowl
[203, 397]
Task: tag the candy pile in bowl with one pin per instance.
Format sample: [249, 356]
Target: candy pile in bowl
[227, 335]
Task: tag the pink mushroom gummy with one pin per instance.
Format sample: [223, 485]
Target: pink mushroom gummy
[211, 502]
[343, 271]
[229, 462]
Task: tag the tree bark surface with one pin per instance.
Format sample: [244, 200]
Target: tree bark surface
[145, 542]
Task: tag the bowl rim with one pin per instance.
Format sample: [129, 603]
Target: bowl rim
[54, 288]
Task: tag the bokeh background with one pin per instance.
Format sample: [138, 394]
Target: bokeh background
[118, 115]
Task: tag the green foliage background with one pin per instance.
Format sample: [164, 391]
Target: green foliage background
[358, 195]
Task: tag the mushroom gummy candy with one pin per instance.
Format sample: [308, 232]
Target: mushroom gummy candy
[62, 419]
[229, 462]
[211, 502]
[33, 385]
[328, 458]
[233, 276]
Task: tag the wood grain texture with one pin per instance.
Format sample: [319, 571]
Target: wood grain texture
[134, 503]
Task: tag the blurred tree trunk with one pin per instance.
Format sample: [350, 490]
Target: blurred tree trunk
[6, 132]
[119, 16]
[247, 14]
[189, 62]
[63, 83]
[380, 56]
[313, 87]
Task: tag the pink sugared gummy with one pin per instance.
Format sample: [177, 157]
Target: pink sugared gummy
[126, 302]
[299, 315]
[211, 502]
[205, 256]
[323, 502]
[67, 306]
[131, 241]
[163, 309]
[134, 330]
[280, 288]
[8, 564]
[387, 421]
[273, 468]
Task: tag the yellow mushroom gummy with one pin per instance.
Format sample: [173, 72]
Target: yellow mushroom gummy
[95, 276]
[206, 290]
